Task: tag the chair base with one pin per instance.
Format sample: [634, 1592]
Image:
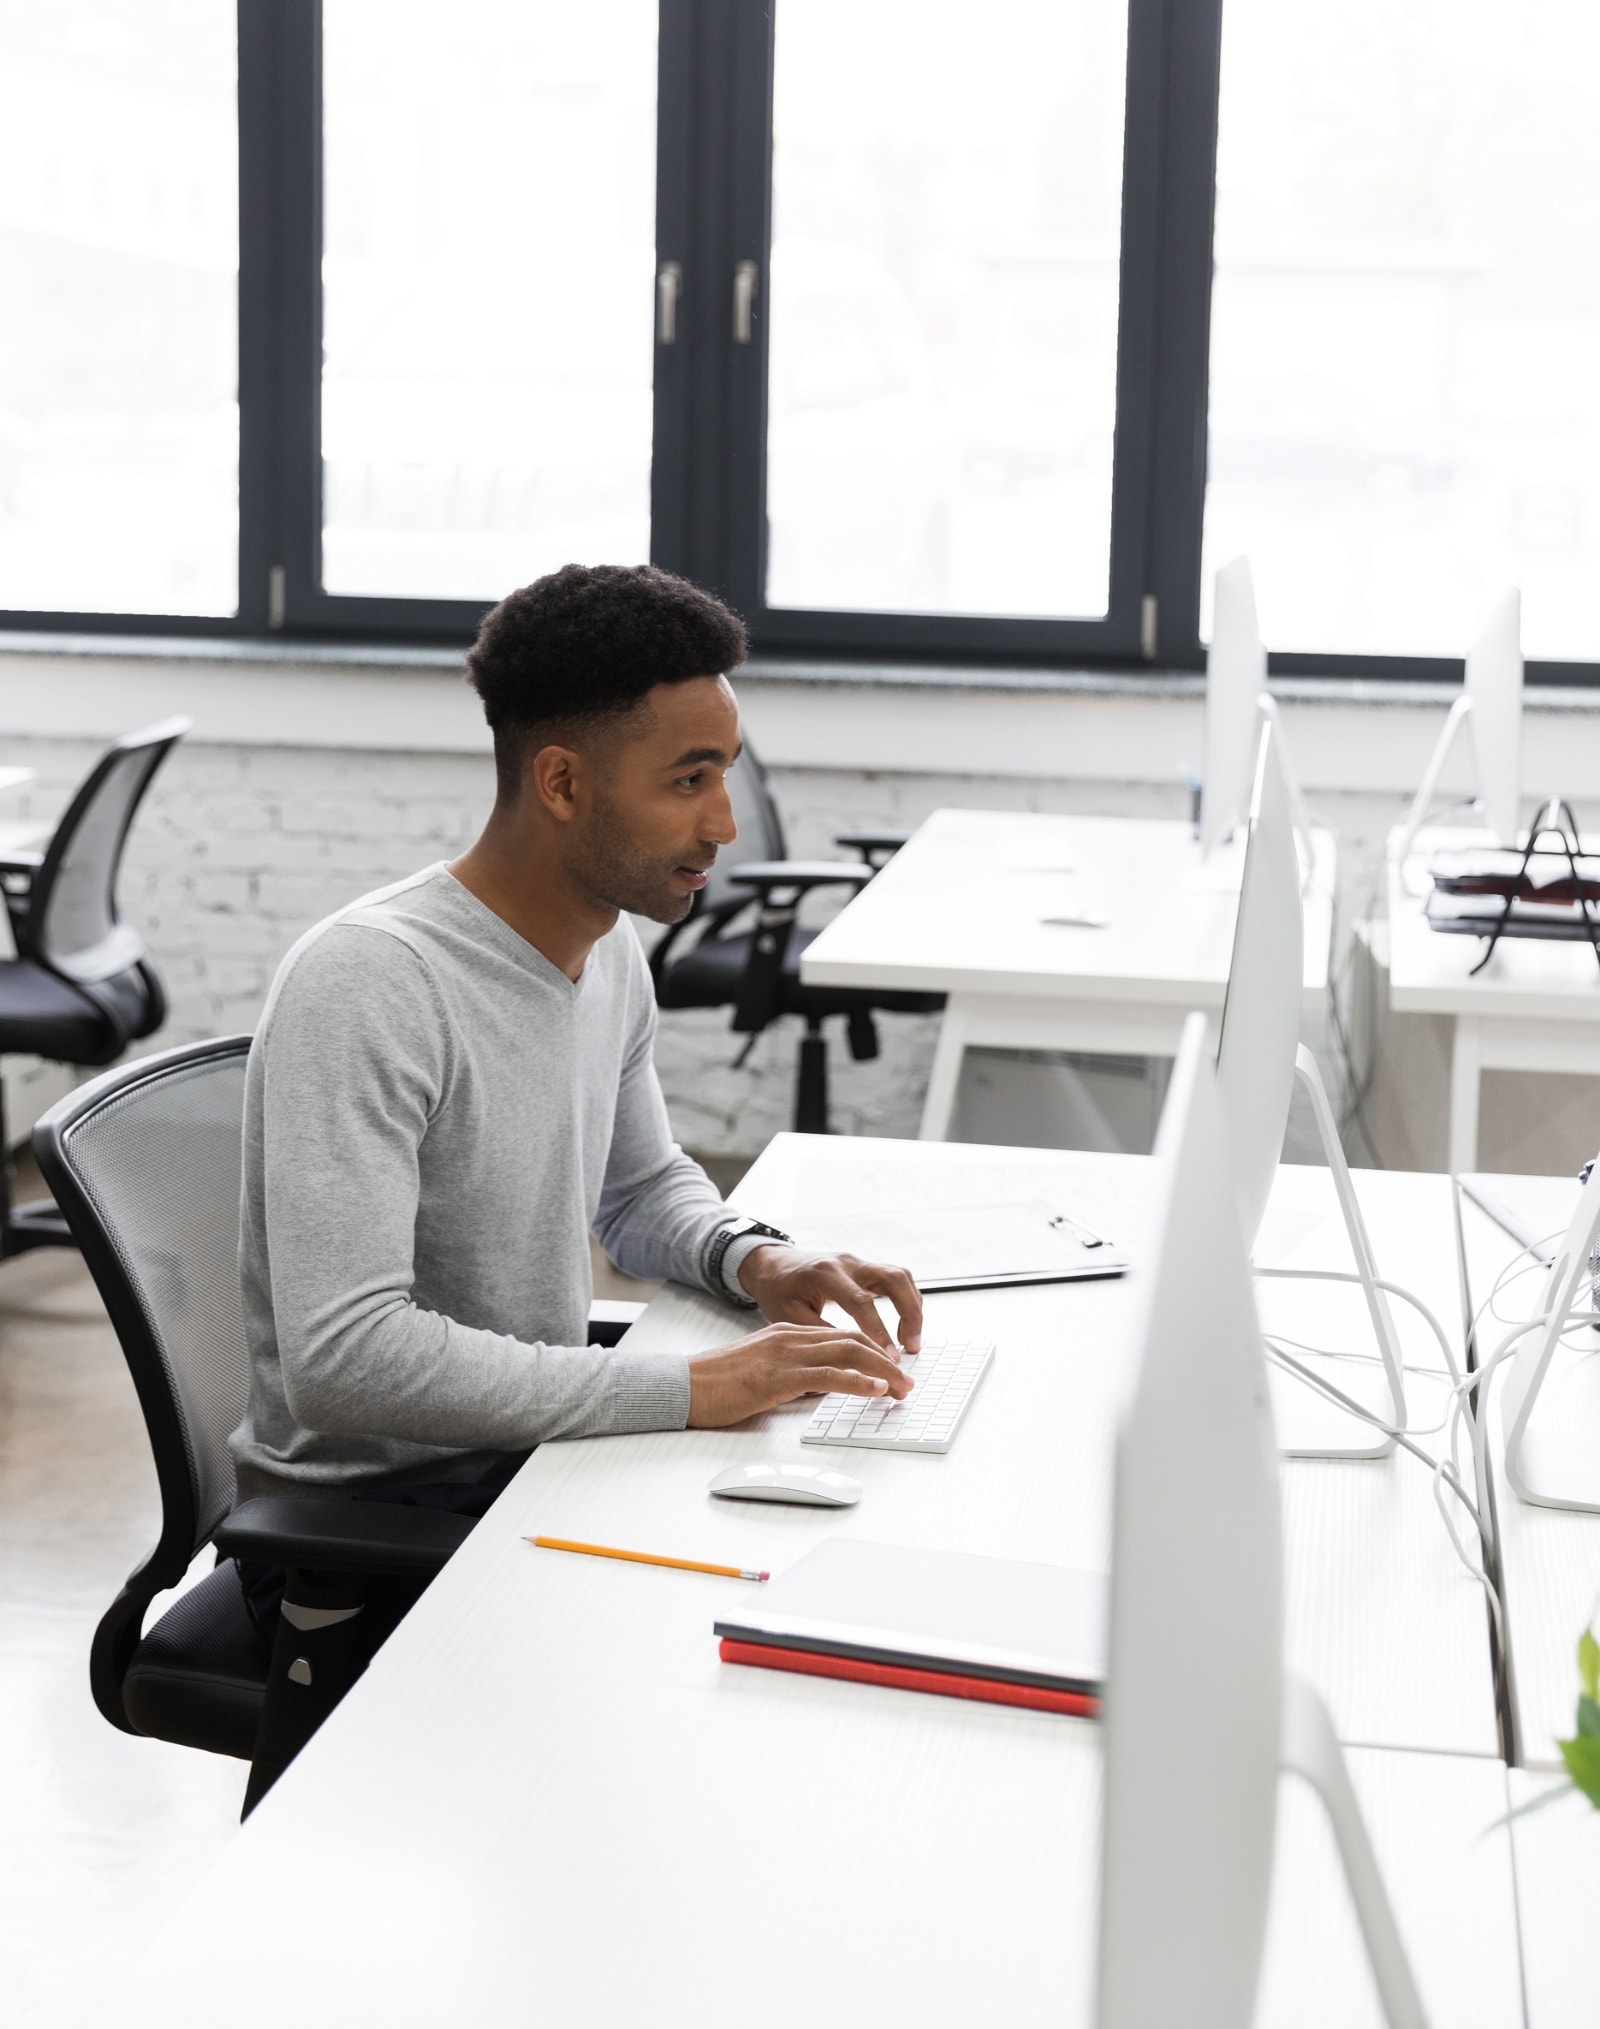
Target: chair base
[811, 1082]
[25, 1227]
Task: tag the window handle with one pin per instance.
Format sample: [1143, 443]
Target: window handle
[669, 287]
[744, 296]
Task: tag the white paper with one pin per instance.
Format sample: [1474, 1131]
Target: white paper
[955, 1245]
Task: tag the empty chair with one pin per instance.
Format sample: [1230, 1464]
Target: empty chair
[741, 944]
[81, 987]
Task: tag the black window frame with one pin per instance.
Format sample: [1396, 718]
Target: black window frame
[714, 157]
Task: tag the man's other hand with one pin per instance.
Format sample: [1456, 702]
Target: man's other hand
[791, 1287]
[782, 1363]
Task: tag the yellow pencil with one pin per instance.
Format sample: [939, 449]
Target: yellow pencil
[644, 1557]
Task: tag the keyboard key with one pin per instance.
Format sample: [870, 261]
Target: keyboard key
[944, 1378]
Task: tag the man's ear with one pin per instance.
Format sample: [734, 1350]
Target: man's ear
[552, 775]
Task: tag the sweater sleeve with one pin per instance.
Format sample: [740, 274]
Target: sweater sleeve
[357, 1061]
[659, 1211]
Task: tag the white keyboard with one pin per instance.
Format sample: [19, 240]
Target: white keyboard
[944, 1379]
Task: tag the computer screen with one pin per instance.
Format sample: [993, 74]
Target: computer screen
[1261, 1012]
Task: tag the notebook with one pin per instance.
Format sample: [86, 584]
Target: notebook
[978, 1621]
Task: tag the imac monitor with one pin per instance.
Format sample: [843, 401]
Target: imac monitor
[1194, 1683]
[1494, 689]
[1261, 1012]
[1259, 1057]
[1236, 675]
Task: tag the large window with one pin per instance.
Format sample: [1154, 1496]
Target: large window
[894, 323]
[1406, 321]
[942, 379]
[119, 423]
[488, 249]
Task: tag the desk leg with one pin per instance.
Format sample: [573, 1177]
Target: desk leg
[944, 1080]
[1466, 1069]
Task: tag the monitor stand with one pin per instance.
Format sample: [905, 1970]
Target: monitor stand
[1311, 1750]
[1554, 1462]
[1428, 788]
[1308, 1424]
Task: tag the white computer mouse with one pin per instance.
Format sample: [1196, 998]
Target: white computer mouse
[807, 1486]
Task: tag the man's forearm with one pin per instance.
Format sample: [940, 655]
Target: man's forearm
[405, 1373]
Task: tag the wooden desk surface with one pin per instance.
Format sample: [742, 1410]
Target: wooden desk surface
[960, 909]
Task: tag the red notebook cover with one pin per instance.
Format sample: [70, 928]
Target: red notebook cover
[989, 1690]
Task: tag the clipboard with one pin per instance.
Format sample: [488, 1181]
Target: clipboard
[971, 1246]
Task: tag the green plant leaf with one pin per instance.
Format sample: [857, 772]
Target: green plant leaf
[1589, 1663]
[1548, 1796]
[1588, 1719]
[1582, 1757]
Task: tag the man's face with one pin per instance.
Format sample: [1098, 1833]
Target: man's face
[657, 807]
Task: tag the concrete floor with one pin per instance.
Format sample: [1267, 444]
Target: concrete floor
[101, 1833]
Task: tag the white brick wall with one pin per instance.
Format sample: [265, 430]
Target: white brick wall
[244, 844]
[239, 849]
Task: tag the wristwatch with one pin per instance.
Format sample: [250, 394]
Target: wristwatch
[723, 1239]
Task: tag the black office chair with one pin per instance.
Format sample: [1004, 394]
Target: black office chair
[719, 957]
[145, 1164]
[81, 987]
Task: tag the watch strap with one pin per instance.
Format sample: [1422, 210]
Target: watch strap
[717, 1253]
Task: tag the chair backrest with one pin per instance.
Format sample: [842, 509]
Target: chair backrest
[145, 1163]
[760, 833]
[72, 925]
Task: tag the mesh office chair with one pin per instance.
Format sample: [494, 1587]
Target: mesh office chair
[145, 1163]
[81, 987]
[756, 969]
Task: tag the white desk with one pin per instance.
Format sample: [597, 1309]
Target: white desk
[1558, 1890]
[959, 911]
[548, 1801]
[1534, 1007]
[1549, 1557]
[1379, 1613]
[504, 1826]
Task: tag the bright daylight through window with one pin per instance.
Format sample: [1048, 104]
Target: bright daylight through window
[947, 195]
[119, 257]
[489, 235]
[1406, 320]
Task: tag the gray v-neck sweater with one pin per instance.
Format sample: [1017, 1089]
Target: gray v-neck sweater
[435, 1119]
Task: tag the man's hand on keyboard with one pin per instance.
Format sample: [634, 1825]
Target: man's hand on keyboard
[793, 1287]
[782, 1363]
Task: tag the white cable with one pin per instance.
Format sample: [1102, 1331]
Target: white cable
[1378, 1282]
[1355, 1359]
[1444, 1475]
[1446, 1470]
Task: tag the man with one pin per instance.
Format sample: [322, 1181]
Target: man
[452, 1086]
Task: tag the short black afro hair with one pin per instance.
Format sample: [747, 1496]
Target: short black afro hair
[585, 644]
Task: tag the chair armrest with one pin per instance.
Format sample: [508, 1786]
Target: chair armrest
[609, 1318]
[870, 843]
[801, 875]
[335, 1535]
